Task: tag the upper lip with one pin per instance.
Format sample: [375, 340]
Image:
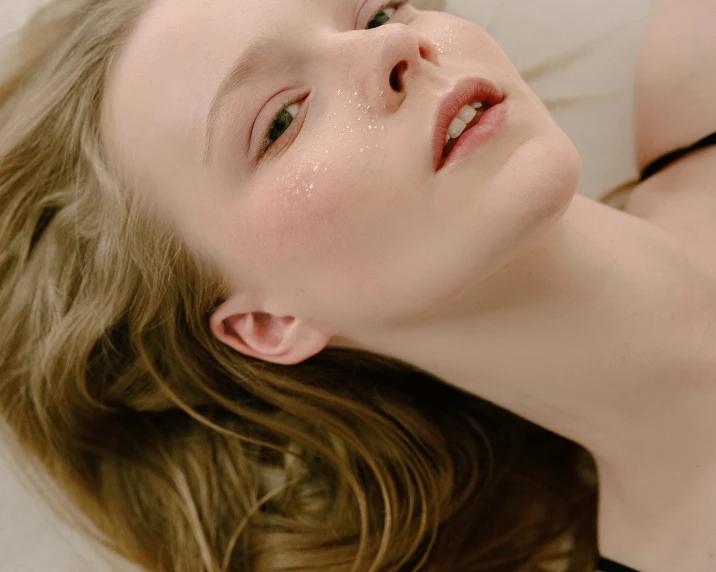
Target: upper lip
[463, 92]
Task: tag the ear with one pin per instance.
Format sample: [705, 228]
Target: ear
[285, 340]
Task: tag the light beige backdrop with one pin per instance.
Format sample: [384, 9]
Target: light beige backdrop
[578, 56]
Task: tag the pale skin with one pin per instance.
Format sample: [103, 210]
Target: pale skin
[492, 275]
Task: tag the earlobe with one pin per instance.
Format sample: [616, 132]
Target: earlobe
[284, 340]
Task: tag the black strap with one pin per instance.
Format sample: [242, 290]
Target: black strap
[606, 565]
[669, 158]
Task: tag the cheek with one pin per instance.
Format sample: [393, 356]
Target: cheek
[317, 237]
[463, 40]
[301, 192]
[295, 218]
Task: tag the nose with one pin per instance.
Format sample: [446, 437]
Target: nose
[397, 66]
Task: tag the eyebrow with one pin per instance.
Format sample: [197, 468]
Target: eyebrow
[246, 65]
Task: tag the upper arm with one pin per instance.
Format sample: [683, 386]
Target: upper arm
[675, 106]
[675, 91]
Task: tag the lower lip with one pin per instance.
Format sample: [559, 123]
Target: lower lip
[473, 138]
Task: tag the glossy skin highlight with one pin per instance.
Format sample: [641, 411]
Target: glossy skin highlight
[491, 275]
[343, 225]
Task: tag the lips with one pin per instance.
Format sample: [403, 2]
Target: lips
[464, 92]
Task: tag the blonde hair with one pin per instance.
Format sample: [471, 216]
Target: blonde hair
[183, 455]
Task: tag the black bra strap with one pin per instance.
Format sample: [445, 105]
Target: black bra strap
[666, 160]
[606, 565]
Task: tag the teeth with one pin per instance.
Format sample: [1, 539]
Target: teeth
[464, 116]
[456, 128]
[467, 114]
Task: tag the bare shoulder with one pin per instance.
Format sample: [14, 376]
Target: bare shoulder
[675, 106]
[681, 200]
[675, 90]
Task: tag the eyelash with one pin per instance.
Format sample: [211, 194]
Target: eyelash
[266, 145]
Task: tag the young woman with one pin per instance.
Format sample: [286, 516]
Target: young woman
[268, 305]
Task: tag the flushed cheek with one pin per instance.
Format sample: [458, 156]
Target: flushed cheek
[301, 190]
[296, 216]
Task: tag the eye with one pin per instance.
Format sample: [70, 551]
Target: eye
[283, 120]
[280, 124]
[385, 12]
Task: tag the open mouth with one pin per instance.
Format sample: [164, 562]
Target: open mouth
[453, 141]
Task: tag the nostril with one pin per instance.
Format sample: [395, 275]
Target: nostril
[397, 74]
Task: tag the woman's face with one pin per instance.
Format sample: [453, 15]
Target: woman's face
[343, 221]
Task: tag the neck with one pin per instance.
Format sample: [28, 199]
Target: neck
[602, 333]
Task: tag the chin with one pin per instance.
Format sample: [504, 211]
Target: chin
[553, 184]
[566, 170]
[529, 196]
[548, 170]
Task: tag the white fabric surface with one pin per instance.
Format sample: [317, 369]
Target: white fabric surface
[579, 57]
